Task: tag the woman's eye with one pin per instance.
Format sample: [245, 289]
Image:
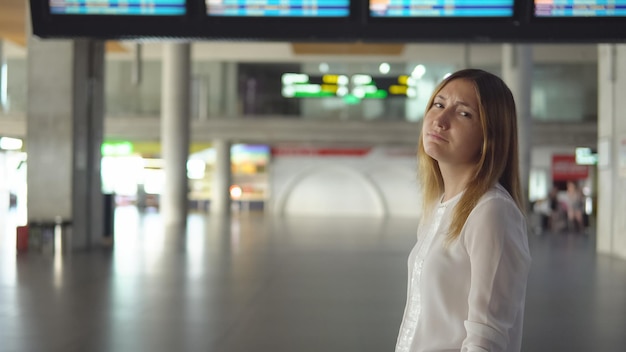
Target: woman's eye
[466, 114]
[439, 105]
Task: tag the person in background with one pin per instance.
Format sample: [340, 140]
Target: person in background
[553, 199]
[575, 207]
[468, 271]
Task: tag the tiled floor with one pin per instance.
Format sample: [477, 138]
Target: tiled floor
[260, 284]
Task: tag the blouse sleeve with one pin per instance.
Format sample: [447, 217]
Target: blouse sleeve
[495, 239]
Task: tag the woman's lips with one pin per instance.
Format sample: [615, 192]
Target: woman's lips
[436, 136]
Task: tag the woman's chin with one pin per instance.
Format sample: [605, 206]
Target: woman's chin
[433, 153]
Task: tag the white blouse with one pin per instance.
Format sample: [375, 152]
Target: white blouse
[469, 296]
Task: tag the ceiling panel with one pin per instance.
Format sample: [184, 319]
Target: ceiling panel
[13, 21]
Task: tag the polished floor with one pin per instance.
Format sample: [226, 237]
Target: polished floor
[254, 283]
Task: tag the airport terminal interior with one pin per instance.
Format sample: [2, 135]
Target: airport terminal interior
[253, 282]
[301, 198]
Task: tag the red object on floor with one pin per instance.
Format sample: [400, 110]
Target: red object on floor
[22, 238]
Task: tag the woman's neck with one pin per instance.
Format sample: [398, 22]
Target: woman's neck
[455, 180]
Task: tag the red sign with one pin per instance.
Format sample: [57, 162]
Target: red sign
[22, 238]
[564, 168]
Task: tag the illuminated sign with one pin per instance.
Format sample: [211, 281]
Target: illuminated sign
[585, 156]
[441, 8]
[564, 168]
[119, 7]
[283, 8]
[580, 8]
[353, 89]
[120, 148]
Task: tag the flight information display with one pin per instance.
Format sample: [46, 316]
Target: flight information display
[580, 8]
[441, 8]
[118, 7]
[278, 8]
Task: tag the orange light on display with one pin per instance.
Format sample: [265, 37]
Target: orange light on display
[330, 88]
[398, 90]
[330, 79]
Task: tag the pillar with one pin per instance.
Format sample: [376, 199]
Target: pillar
[175, 101]
[230, 93]
[4, 188]
[137, 67]
[220, 198]
[64, 120]
[611, 222]
[3, 79]
[517, 70]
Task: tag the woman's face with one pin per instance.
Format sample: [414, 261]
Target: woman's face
[452, 133]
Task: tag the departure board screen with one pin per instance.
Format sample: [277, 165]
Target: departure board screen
[278, 8]
[580, 8]
[118, 7]
[441, 8]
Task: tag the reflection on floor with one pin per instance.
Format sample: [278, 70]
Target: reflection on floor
[258, 283]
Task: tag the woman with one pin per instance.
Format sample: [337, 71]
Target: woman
[575, 206]
[469, 268]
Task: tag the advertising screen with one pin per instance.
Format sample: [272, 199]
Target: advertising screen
[118, 7]
[580, 8]
[278, 8]
[441, 8]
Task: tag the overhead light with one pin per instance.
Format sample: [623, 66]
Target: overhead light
[384, 68]
[418, 71]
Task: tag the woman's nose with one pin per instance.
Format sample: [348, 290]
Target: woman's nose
[441, 119]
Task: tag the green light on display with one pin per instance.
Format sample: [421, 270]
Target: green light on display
[351, 99]
[116, 148]
[379, 94]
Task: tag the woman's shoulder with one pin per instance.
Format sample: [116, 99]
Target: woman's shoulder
[496, 193]
[495, 215]
[496, 200]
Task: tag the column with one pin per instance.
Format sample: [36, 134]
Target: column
[517, 72]
[175, 132]
[611, 222]
[137, 67]
[229, 86]
[3, 79]
[64, 121]
[220, 198]
[4, 188]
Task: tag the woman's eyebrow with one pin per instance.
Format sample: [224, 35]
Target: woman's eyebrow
[460, 102]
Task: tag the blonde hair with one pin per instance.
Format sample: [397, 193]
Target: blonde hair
[499, 161]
